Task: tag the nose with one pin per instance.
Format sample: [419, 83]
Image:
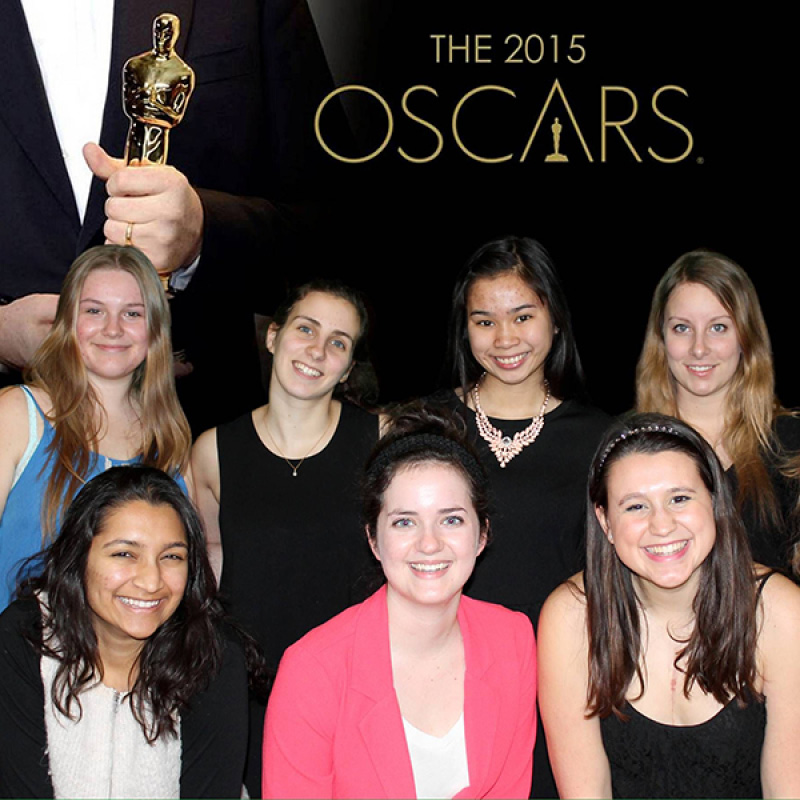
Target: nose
[429, 542]
[699, 345]
[315, 350]
[112, 326]
[148, 576]
[505, 335]
[662, 522]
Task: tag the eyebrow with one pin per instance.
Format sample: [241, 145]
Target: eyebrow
[684, 489]
[103, 302]
[479, 312]
[138, 545]
[711, 319]
[319, 325]
[400, 512]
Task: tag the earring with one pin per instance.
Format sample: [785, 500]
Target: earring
[610, 537]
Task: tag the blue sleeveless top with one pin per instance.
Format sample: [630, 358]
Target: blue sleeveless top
[21, 521]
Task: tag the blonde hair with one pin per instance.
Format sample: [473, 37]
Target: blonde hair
[58, 369]
[750, 403]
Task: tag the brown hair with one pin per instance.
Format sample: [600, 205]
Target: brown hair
[58, 369]
[720, 653]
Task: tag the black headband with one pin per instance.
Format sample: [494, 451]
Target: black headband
[432, 443]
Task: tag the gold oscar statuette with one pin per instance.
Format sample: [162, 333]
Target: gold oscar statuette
[156, 87]
[556, 156]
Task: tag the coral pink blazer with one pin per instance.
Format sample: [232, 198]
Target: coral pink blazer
[333, 724]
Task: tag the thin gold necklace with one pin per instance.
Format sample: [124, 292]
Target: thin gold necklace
[295, 467]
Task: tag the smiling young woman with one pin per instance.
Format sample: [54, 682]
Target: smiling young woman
[118, 677]
[100, 392]
[418, 691]
[707, 359]
[518, 384]
[659, 663]
[277, 488]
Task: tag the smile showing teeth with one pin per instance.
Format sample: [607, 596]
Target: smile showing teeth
[510, 361]
[667, 549]
[700, 370]
[130, 601]
[306, 370]
[422, 567]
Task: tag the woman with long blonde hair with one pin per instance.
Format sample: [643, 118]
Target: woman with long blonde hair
[707, 360]
[99, 392]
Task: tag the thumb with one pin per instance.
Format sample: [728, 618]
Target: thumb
[100, 162]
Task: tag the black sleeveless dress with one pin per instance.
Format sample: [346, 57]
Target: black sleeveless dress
[294, 551]
[718, 758]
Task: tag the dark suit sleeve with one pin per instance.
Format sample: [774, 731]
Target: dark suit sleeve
[214, 732]
[23, 739]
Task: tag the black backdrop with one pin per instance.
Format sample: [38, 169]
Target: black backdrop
[401, 230]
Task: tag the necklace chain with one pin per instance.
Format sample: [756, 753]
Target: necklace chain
[506, 447]
[296, 466]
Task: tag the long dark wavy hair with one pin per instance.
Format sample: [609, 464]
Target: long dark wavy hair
[180, 658]
[529, 261]
[720, 653]
[361, 386]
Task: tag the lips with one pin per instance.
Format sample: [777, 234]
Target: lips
[510, 362]
[430, 568]
[304, 369]
[667, 551]
[144, 605]
[700, 370]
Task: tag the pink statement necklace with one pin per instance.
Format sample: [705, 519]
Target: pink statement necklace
[504, 447]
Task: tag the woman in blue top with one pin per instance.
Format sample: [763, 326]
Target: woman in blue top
[99, 392]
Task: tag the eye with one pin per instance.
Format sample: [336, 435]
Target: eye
[634, 507]
[403, 522]
[719, 327]
[92, 310]
[680, 499]
[484, 323]
[680, 327]
[122, 554]
[177, 556]
[339, 343]
[131, 314]
[452, 520]
[304, 329]
[523, 317]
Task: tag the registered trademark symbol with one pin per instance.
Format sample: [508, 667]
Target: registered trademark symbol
[701, 160]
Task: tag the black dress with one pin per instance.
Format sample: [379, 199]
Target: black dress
[771, 544]
[537, 520]
[538, 506]
[718, 758]
[294, 550]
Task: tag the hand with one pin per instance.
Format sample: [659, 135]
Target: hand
[23, 325]
[165, 209]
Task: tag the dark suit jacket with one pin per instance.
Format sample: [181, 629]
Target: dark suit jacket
[334, 727]
[247, 136]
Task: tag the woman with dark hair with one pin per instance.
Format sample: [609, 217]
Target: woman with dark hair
[100, 392]
[117, 678]
[277, 488]
[418, 691]
[520, 388]
[707, 360]
[669, 668]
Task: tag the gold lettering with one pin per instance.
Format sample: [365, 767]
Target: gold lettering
[439, 137]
